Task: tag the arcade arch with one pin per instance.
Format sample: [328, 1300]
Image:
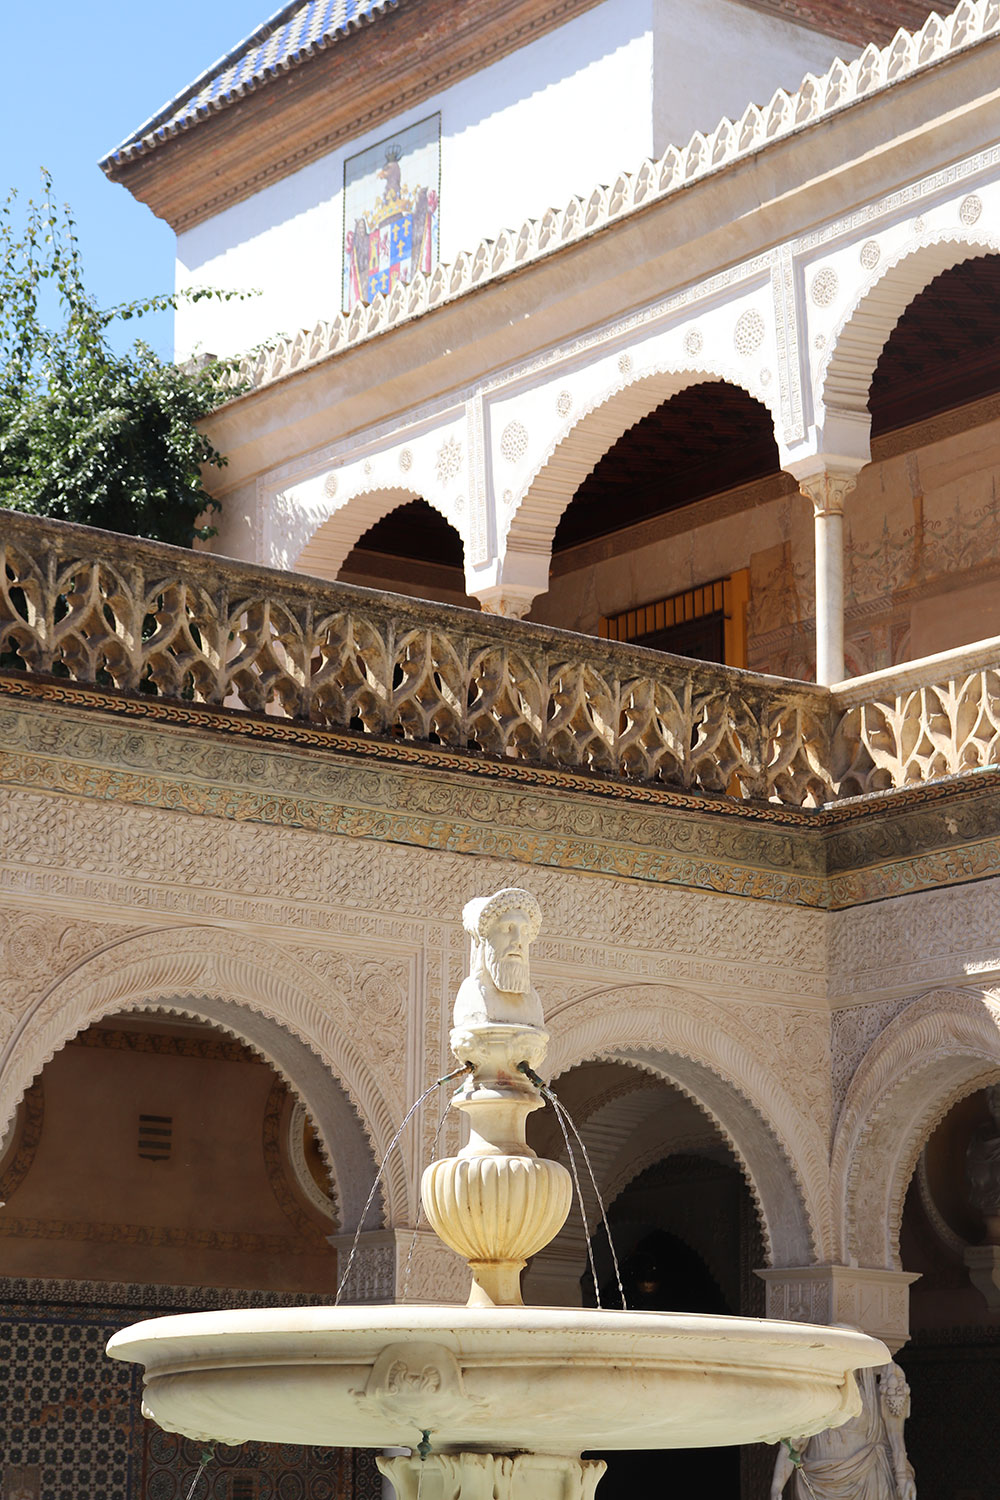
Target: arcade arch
[942, 353]
[844, 380]
[942, 1047]
[255, 992]
[647, 521]
[154, 1148]
[412, 549]
[583, 441]
[396, 515]
[630, 1119]
[720, 1065]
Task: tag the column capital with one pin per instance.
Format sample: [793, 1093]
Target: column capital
[827, 489]
[506, 599]
[506, 585]
[874, 1300]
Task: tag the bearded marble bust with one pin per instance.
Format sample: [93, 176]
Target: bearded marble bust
[498, 986]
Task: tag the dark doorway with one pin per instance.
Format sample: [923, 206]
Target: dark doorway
[704, 639]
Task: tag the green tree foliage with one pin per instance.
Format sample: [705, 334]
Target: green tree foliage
[87, 434]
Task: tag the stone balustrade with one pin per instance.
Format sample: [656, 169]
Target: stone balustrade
[939, 716]
[138, 618]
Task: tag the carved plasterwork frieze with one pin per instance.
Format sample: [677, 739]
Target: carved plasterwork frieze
[938, 1049]
[257, 990]
[895, 949]
[347, 889]
[115, 762]
[852, 1032]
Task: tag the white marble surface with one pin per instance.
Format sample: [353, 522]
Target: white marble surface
[513, 1378]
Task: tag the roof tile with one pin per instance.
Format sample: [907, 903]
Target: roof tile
[298, 29]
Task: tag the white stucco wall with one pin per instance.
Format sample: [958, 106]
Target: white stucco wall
[554, 118]
[516, 138]
[714, 57]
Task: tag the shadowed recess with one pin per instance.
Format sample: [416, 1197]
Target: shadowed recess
[945, 349]
[710, 438]
[416, 531]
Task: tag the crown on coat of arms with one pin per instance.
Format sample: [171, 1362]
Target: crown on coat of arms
[383, 211]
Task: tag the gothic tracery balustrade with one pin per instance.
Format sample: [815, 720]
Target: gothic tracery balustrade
[138, 618]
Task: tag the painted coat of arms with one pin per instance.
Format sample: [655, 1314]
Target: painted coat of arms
[391, 211]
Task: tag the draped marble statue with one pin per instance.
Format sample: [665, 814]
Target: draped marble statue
[865, 1459]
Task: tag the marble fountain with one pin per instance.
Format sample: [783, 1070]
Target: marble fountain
[496, 1400]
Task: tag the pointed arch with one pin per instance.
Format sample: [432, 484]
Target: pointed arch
[583, 439]
[844, 379]
[256, 992]
[721, 1066]
[942, 1047]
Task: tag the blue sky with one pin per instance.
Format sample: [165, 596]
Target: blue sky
[80, 75]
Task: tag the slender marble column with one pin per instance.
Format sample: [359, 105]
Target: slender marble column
[827, 490]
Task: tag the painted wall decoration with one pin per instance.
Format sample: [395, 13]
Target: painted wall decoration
[391, 207]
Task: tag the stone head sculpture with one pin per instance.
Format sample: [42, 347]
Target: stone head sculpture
[498, 988]
[496, 1203]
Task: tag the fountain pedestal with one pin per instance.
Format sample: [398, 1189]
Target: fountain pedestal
[493, 1476]
[496, 1203]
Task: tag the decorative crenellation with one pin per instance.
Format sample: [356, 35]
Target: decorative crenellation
[817, 98]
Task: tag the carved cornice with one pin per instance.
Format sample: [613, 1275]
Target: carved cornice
[208, 763]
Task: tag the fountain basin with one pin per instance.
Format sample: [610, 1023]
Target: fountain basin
[543, 1379]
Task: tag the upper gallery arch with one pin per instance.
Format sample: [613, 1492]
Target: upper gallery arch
[675, 409]
[907, 298]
